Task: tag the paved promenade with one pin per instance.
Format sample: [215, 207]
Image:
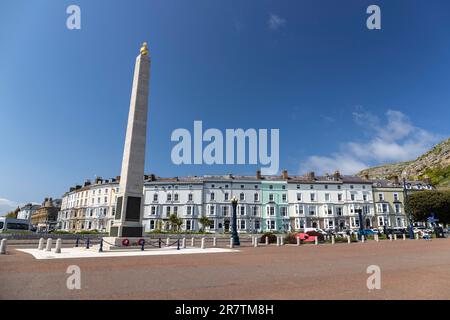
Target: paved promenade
[411, 269]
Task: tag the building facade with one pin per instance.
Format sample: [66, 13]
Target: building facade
[265, 203]
[45, 217]
[89, 207]
[389, 201]
[182, 197]
[330, 202]
[27, 211]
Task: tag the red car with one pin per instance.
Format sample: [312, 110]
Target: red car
[306, 237]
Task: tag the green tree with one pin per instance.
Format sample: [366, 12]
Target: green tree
[159, 225]
[12, 214]
[423, 204]
[175, 222]
[204, 221]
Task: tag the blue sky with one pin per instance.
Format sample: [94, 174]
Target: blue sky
[343, 96]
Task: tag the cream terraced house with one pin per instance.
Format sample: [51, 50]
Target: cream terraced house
[265, 203]
[89, 207]
[389, 200]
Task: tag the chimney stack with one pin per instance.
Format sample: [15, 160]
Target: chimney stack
[258, 174]
[395, 180]
[284, 174]
[311, 175]
[337, 175]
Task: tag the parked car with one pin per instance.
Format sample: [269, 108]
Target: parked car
[422, 229]
[305, 237]
[305, 230]
[341, 233]
[367, 232]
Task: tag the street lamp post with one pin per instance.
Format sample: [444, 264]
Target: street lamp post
[234, 233]
[361, 228]
[405, 191]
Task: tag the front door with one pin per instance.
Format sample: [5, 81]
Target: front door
[227, 225]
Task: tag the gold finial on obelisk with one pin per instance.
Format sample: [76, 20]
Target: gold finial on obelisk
[144, 49]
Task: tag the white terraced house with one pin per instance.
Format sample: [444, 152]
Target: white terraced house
[217, 193]
[330, 202]
[326, 202]
[165, 196]
[89, 207]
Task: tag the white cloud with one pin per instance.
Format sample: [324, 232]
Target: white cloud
[275, 21]
[395, 140]
[7, 205]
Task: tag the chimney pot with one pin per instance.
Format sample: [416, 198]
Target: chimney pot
[337, 175]
[395, 180]
[311, 175]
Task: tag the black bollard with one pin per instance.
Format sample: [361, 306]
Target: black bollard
[178, 244]
[159, 243]
[101, 245]
[77, 242]
[87, 243]
[142, 245]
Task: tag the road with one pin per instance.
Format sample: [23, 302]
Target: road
[411, 269]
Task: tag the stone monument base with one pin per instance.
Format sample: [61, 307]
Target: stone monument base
[126, 231]
[119, 243]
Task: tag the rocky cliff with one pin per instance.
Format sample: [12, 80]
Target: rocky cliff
[435, 164]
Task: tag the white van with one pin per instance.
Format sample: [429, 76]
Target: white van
[12, 224]
[314, 229]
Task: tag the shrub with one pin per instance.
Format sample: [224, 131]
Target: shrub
[60, 232]
[87, 232]
[290, 238]
[270, 235]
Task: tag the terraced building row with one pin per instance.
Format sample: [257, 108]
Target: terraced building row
[265, 203]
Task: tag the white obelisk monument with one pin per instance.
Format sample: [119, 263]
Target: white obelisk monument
[129, 208]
